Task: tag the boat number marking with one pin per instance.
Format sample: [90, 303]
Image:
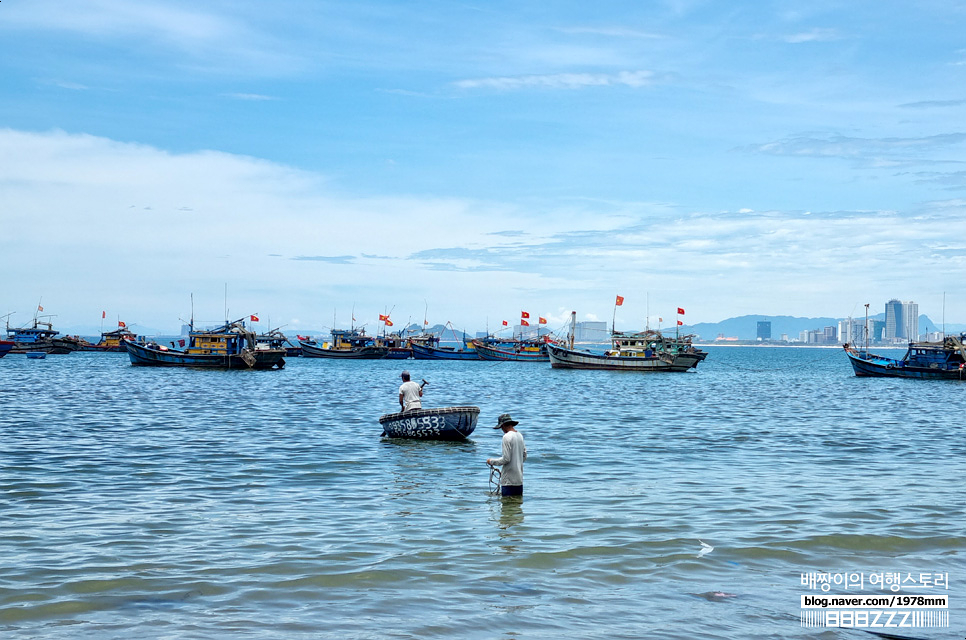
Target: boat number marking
[424, 425]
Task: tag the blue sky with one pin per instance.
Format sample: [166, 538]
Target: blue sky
[469, 161]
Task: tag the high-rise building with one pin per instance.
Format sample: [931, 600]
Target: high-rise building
[910, 320]
[764, 330]
[893, 319]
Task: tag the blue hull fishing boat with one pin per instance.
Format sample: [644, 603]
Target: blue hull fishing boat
[944, 360]
[445, 423]
[40, 337]
[427, 352]
[231, 346]
[36, 355]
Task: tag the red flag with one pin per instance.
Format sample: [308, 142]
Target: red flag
[383, 318]
[543, 321]
[425, 323]
[103, 314]
[524, 323]
[505, 324]
[680, 311]
[680, 323]
[254, 318]
[524, 314]
[388, 322]
[620, 301]
[660, 319]
[121, 325]
[39, 308]
[181, 342]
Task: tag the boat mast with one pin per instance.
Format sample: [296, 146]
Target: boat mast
[867, 329]
[573, 329]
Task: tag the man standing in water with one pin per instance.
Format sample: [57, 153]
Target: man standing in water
[409, 394]
[514, 453]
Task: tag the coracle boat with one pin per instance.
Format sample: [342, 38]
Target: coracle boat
[647, 351]
[231, 346]
[944, 360]
[39, 338]
[346, 343]
[508, 349]
[445, 423]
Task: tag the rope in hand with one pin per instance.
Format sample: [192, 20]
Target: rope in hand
[494, 482]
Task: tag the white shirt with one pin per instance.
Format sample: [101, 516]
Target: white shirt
[514, 453]
[410, 395]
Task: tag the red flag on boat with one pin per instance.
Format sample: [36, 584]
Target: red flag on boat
[39, 308]
[181, 342]
[388, 322]
[121, 325]
[505, 323]
[620, 301]
[524, 314]
[680, 323]
[543, 321]
[103, 314]
[524, 323]
[383, 318]
[254, 318]
[680, 311]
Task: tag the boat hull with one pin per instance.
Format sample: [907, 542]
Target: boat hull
[867, 365]
[398, 353]
[5, 347]
[423, 352]
[143, 355]
[445, 423]
[491, 352]
[561, 358]
[356, 353]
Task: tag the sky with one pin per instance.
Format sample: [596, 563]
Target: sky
[310, 162]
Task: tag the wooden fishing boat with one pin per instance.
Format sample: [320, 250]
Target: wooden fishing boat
[509, 349]
[347, 344]
[111, 341]
[944, 360]
[231, 346]
[40, 337]
[445, 423]
[646, 351]
[5, 347]
[427, 352]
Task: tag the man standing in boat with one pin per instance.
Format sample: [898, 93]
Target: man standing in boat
[409, 394]
[514, 453]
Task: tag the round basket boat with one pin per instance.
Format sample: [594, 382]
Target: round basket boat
[444, 423]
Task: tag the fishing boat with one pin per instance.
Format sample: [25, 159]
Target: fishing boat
[645, 351]
[231, 346]
[435, 351]
[275, 339]
[445, 423]
[523, 350]
[346, 343]
[40, 337]
[111, 341]
[944, 360]
[5, 347]
[428, 352]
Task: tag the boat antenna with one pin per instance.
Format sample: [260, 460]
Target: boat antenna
[191, 323]
[647, 310]
[573, 329]
[226, 303]
[613, 321]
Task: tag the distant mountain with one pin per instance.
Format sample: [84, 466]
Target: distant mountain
[746, 327]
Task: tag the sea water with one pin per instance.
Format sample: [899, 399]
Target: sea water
[177, 503]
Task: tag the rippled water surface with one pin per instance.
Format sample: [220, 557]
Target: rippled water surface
[160, 503]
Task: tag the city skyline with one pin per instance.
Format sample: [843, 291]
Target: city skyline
[469, 162]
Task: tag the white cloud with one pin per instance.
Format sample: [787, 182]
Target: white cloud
[634, 79]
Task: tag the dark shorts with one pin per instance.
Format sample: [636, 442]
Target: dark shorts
[511, 490]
